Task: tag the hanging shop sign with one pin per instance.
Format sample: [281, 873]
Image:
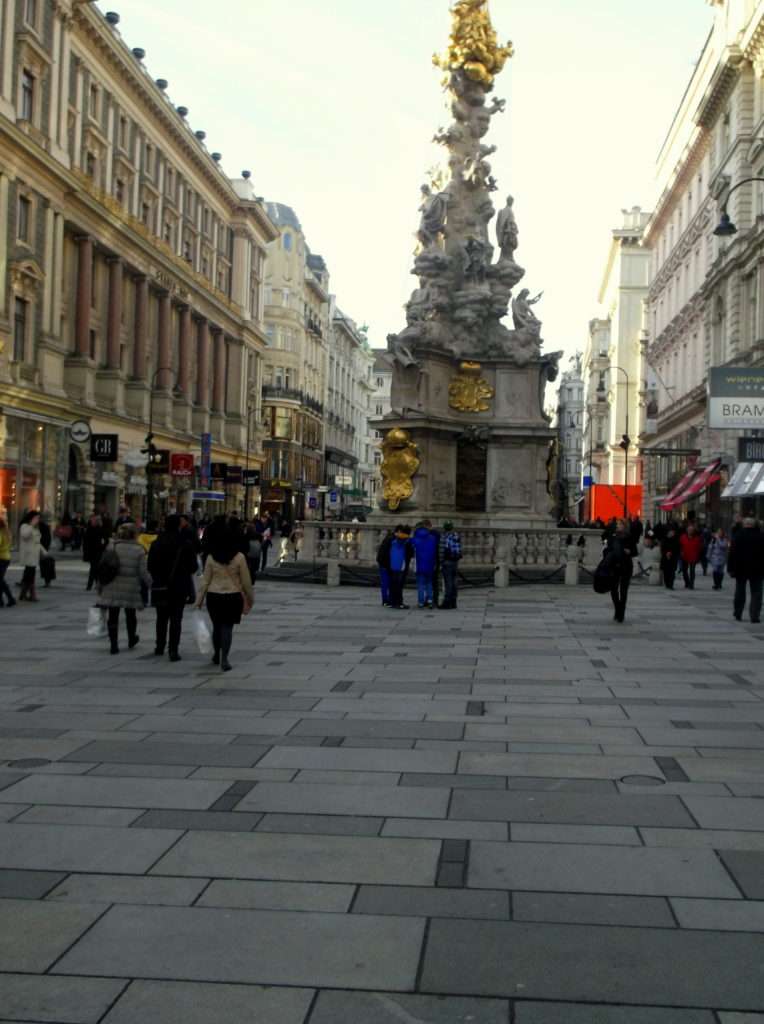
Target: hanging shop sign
[205, 465]
[207, 496]
[251, 478]
[233, 474]
[182, 465]
[79, 432]
[750, 449]
[104, 447]
[218, 470]
[736, 397]
[135, 458]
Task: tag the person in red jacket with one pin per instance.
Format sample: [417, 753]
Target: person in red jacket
[691, 550]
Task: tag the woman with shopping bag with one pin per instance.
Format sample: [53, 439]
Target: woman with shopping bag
[227, 587]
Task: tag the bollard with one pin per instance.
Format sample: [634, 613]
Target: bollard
[501, 576]
[573, 555]
[333, 573]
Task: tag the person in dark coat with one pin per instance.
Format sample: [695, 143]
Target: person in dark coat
[47, 561]
[669, 556]
[621, 549]
[426, 551]
[171, 565]
[383, 562]
[746, 564]
[93, 542]
[401, 553]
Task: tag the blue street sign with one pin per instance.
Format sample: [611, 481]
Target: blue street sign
[588, 481]
[332, 496]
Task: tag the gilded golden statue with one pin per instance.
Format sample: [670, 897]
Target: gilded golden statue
[400, 461]
[468, 391]
[474, 47]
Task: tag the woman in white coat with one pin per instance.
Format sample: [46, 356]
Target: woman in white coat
[30, 550]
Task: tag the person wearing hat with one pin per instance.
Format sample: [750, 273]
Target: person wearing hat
[450, 555]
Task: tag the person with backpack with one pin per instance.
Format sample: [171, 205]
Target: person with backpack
[450, 556]
[401, 553]
[426, 552]
[620, 551]
[171, 565]
[122, 578]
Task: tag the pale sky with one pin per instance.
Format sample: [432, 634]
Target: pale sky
[332, 105]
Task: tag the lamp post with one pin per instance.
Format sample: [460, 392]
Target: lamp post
[624, 443]
[151, 449]
[725, 228]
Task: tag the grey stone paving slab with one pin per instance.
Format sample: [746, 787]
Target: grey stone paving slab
[590, 908]
[187, 794]
[252, 774]
[152, 753]
[12, 750]
[384, 801]
[569, 808]
[731, 739]
[28, 885]
[720, 915]
[712, 769]
[615, 835]
[373, 729]
[571, 1013]
[747, 868]
[321, 824]
[639, 871]
[170, 1002]
[454, 781]
[57, 1000]
[303, 858]
[8, 811]
[222, 724]
[278, 896]
[407, 901]
[493, 830]
[127, 889]
[658, 967]
[703, 838]
[260, 946]
[384, 1008]
[328, 778]
[572, 766]
[82, 848]
[741, 1018]
[33, 933]
[44, 814]
[561, 785]
[221, 821]
[364, 760]
[741, 813]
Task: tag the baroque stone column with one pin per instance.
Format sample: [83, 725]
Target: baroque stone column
[114, 326]
[184, 352]
[140, 326]
[203, 363]
[84, 294]
[218, 388]
[163, 380]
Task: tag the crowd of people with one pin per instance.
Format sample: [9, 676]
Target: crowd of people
[435, 554]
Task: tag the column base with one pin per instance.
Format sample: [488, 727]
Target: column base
[217, 426]
[137, 400]
[182, 415]
[110, 390]
[163, 404]
[200, 420]
[80, 378]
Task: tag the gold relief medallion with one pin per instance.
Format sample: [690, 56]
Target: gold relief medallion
[468, 391]
[400, 461]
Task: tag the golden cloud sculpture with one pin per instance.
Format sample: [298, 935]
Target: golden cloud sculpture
[400, 461]
[474, 46]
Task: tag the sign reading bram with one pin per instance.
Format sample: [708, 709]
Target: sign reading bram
[104, 447]
[736, 397]
[182, 465]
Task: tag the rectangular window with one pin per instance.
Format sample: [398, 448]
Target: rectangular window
[90, 165]
[119, 190]
[287, 377]
[92, 344]
[124, 133]
[283, 427]
[278, 377]
[20, 330]
[28, 85]
[146, 214]
[93, 97]
[30, 13]
[23, 219]
[378, 409]
[149, 163]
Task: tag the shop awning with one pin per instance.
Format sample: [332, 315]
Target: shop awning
[677, 489]
[747, 481]
[699, 480]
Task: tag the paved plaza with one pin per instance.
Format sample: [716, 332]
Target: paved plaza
[516, 812]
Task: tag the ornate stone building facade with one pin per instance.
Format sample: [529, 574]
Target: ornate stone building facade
[570, 437]
[705, 302]
[131, 270]
[380, 405]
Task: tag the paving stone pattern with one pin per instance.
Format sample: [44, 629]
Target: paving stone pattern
[518, 812]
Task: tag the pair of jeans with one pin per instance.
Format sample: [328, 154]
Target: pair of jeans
[397, 583]
[619, 592]
[669, 573]
[169, 614]
[131, 621]
[384, 584]
[741, 592]
[718, 577]
[5, 590]
[450, 588]
[688, 571]
[424, 588]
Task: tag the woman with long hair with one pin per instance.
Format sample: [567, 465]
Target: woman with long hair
[227, 586]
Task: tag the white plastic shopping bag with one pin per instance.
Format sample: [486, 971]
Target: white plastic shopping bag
[96, 622]
[202, 633]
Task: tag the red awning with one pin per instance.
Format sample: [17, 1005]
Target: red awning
[669, 501]
[701, 479]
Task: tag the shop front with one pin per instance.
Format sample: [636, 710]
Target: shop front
[34, 465]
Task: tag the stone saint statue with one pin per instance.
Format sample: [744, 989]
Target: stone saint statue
[433, 210]
[522, 314]
[506, 230]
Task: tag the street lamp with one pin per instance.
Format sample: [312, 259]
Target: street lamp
[624, 443]
[153, 456]
[726, 228]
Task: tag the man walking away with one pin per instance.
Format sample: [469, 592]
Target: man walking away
[426, 551]
[93, 544]
[171, 565]
[401, 553]
[669, 556]
[383, 561]
[691, 549]
[746, 564]
[451, 554]
[718, 550]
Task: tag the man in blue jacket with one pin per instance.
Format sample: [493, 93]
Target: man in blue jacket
[426, 551]
[401, 553]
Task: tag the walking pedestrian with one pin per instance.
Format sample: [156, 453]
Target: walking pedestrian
[669, 556]
[254, 551]
[718, 551]
[401, 553]
[128, 588]
[30, 552]
[93, 543]
[450, 556]
[426, 553]
[620, 550]
[227, 587]
[47, 561]
[5, 561]
[295, 539]
[171, 565]
[690, 549]
[383, 563]
[746, 564]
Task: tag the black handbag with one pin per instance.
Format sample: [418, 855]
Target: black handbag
[604, 575]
